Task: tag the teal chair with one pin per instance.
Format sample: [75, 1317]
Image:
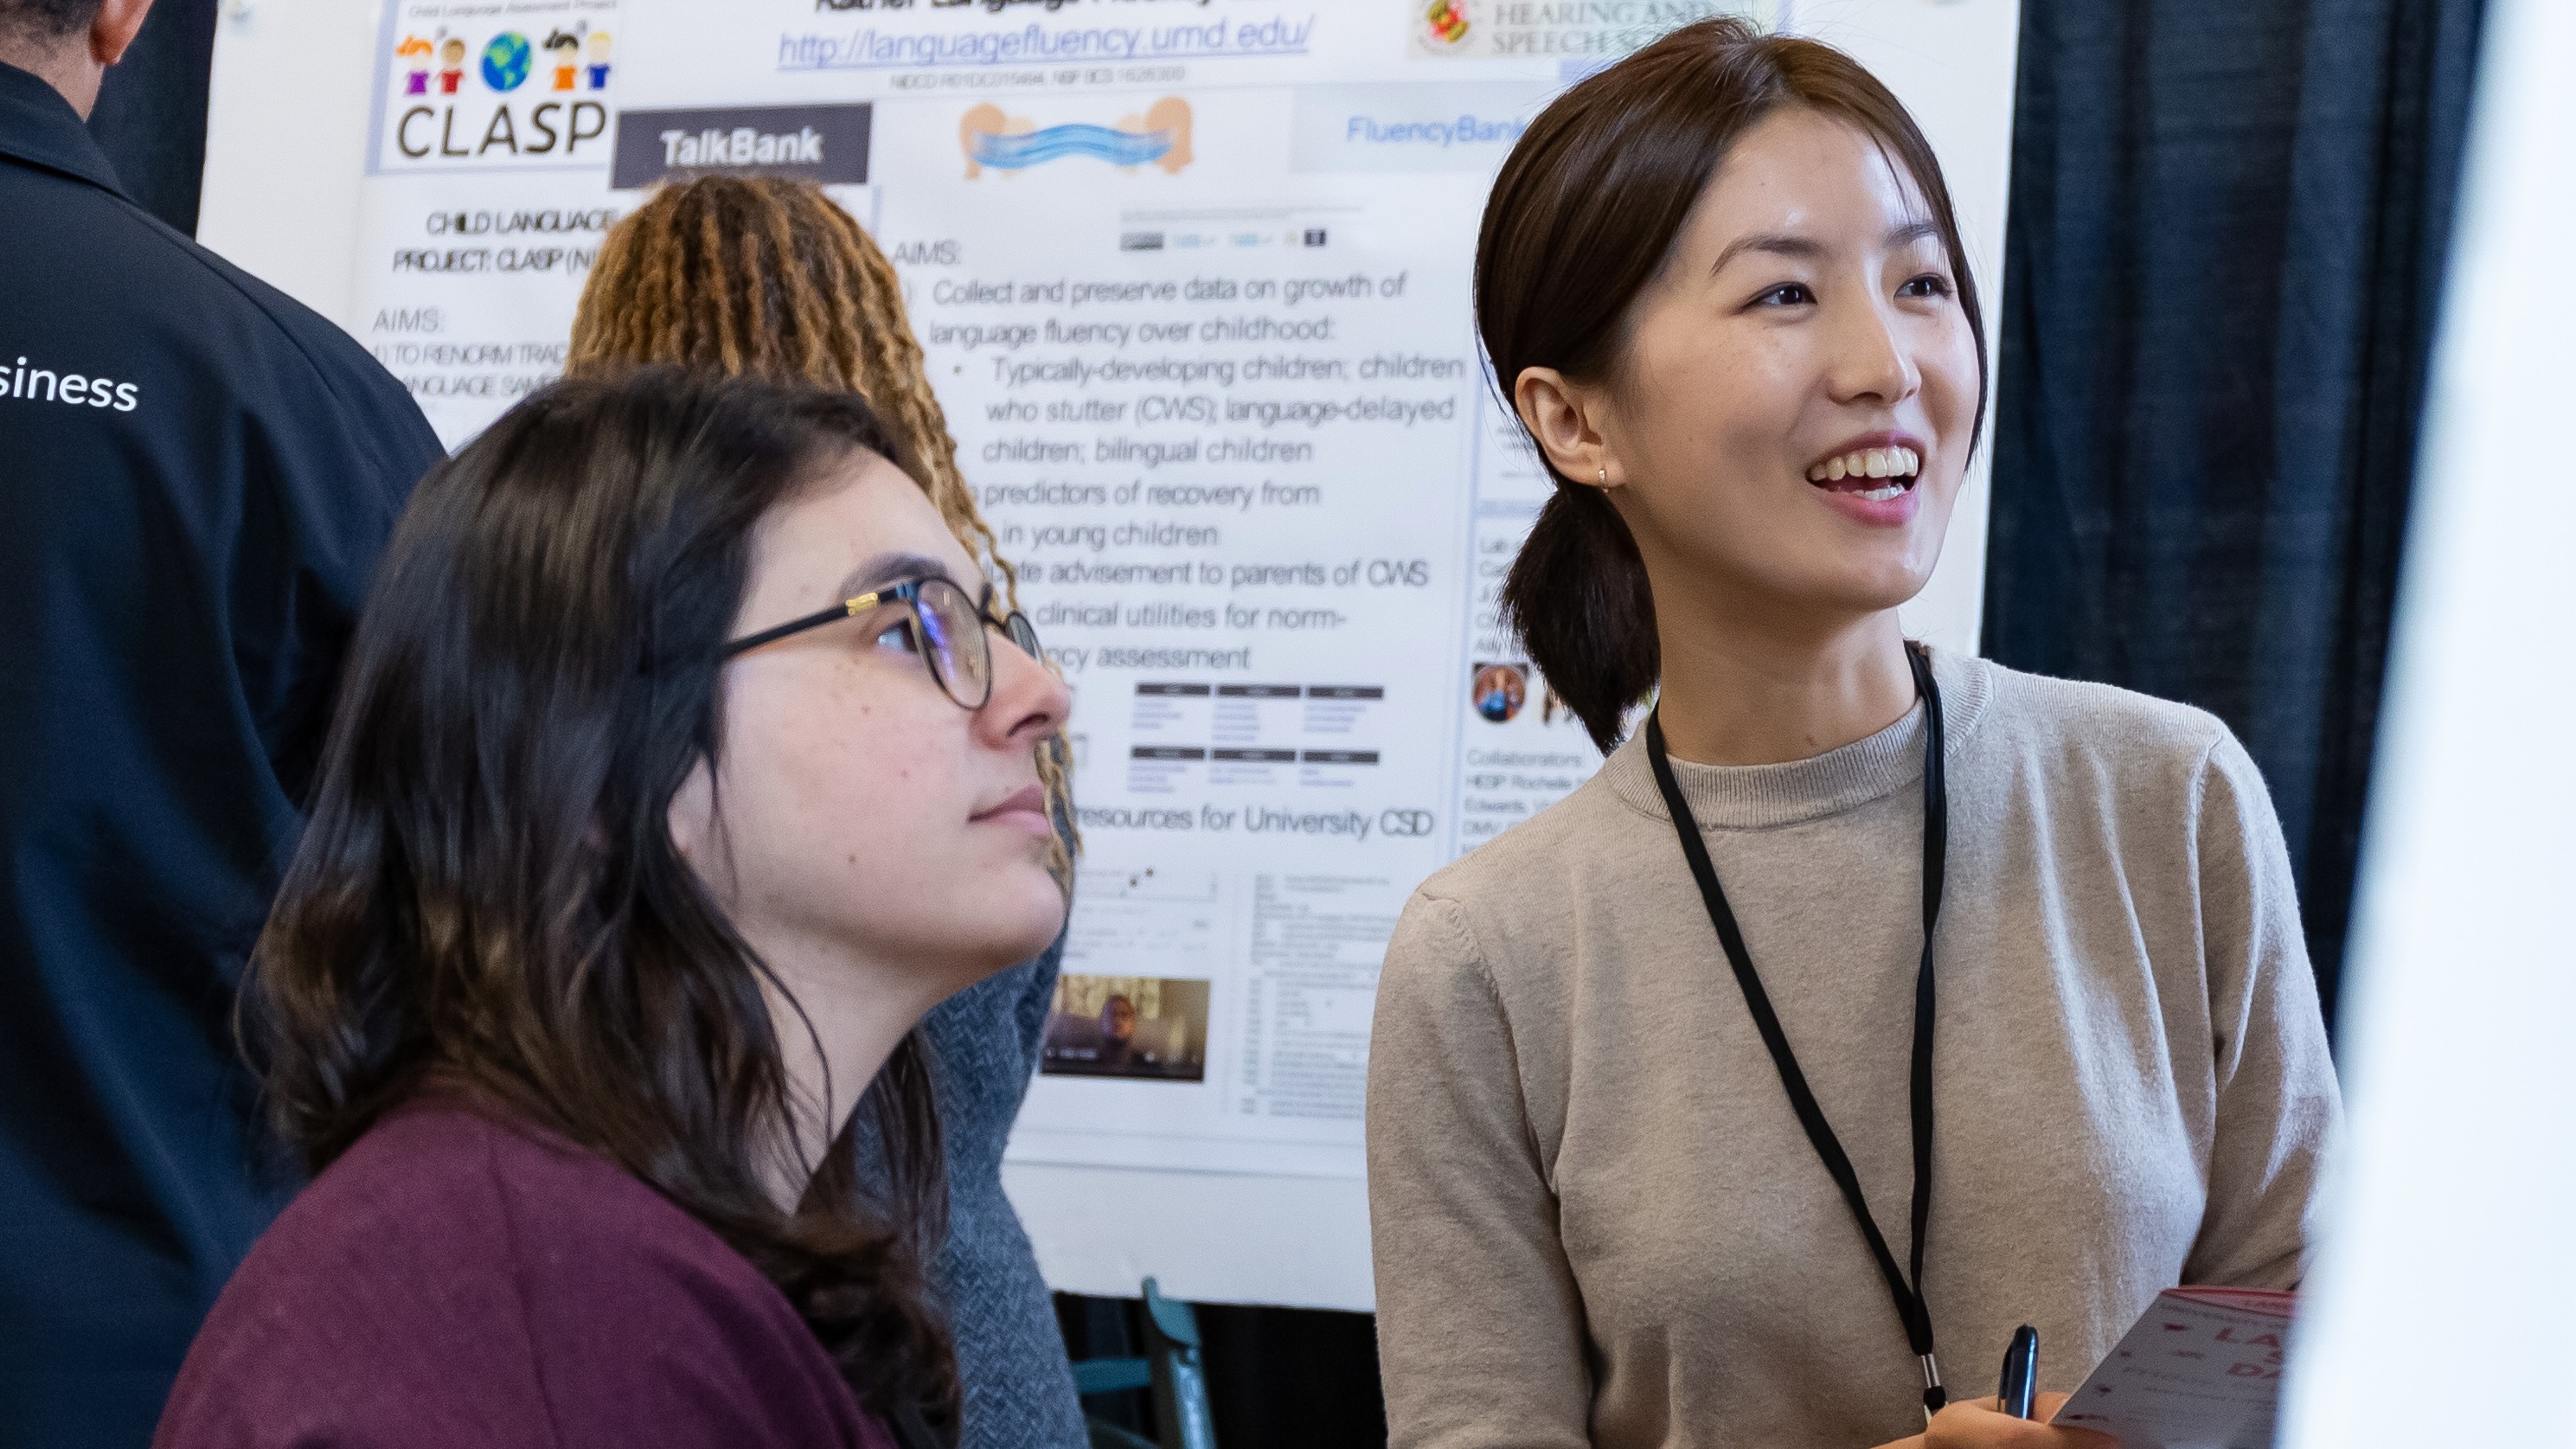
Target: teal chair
[1171, 1368]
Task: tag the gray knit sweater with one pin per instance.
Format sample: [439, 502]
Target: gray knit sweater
[1010, 1354]
[1597, 1221]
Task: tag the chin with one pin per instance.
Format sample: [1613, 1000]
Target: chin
[1883, 580]
[1872, 592]
[1880, 600]
[1028, 915]
[1834, 575]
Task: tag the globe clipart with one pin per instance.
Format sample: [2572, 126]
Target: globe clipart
[505, 61]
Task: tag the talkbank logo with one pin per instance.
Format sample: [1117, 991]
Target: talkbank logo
[823, 144]
[996, 141]
[462, 95]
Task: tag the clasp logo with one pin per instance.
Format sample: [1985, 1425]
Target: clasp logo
[525, 97]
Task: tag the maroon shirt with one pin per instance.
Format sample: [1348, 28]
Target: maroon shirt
[457, 1281]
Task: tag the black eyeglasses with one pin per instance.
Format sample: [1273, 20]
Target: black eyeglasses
[946, 630]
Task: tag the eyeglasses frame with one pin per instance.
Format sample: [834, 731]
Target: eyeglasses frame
[1015, 626]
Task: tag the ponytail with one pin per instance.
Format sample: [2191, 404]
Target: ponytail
[1577, 596]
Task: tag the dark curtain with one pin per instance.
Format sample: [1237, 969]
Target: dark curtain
[2223, 262]
[151, 115]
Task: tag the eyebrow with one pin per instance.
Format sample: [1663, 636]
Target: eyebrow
[1784, 244]
[888, 568]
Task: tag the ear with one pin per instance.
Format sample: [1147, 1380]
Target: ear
[1567, 419]
[693, 820]
[114, 28]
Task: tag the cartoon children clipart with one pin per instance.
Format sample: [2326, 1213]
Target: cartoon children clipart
[451, 66]
[599, 60]
[565, 47]
[414, 53]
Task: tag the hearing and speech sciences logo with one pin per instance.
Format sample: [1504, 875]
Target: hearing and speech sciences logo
[1444, 23]
[1006, 143]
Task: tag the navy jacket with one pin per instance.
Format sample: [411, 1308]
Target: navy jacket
[196, 478]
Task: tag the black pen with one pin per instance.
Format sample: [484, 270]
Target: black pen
[2021, 1372]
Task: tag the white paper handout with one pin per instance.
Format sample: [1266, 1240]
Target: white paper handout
[2201, 1370]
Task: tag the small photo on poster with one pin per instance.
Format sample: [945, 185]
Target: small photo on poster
[1148, 1027]
[1499, 691]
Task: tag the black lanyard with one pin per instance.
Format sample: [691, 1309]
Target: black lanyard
[1936, 830]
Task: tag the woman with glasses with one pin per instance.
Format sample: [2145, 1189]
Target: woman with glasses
[764, 277]
[684, 761]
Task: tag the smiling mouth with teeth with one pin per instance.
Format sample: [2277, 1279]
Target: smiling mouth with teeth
[1876, 474]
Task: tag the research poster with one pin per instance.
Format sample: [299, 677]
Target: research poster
[1193, 282]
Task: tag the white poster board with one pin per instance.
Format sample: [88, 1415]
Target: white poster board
[1193, 284]
[2437, 1308]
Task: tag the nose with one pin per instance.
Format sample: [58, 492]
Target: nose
[1029, 703]
[1872, 361]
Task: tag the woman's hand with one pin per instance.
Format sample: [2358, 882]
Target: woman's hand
[1981, 1424]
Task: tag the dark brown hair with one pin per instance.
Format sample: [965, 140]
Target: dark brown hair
[1580, 220]
[488, 895]
[763, 276]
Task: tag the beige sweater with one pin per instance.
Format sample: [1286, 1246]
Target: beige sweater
[1597, 1220]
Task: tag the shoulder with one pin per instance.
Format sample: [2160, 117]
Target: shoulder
[589, 1243]
[419, 1192]
[297, 338]
[2128, 767]
[1527, 863]
[389, 1286]
[2079, 733]
[1515, 897]
[99, 265]
[464, 1195]
[457, 1269]
[2083, 713]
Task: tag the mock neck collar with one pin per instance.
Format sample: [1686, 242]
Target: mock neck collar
[1753, 797]
[39, 127]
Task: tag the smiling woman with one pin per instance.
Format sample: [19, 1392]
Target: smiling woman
[1676, 1135]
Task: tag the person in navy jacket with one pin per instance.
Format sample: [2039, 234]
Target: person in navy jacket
[196, 478]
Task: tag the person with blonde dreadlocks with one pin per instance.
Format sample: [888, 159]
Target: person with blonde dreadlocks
[767, 278]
